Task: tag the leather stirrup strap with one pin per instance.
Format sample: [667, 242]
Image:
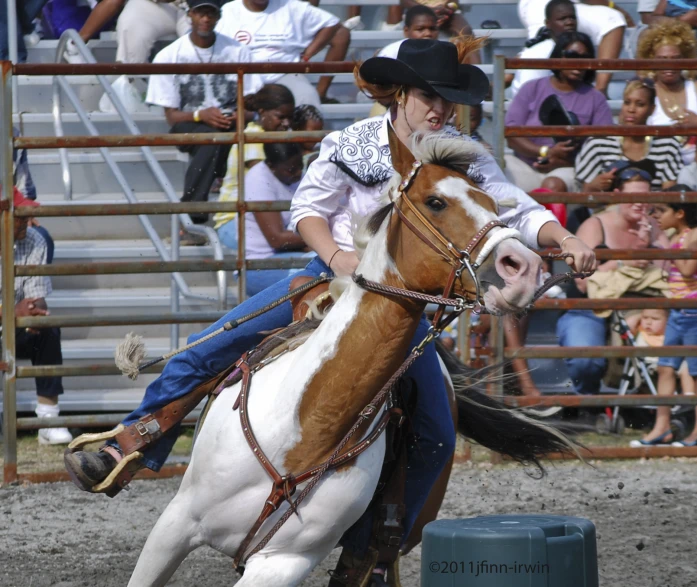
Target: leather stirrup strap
[151, 427]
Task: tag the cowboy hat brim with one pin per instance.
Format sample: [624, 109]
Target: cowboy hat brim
[470, 87]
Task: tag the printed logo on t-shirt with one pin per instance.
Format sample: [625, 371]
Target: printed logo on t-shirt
[243, 37]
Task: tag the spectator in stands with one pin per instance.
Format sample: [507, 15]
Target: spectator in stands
[273, 105]
[449, 20]
[142, 22]
[624, 226]
[540, 162]
[201, 103]
[275, 179]
[25, 184]
[637, 106]
[26, 13]
[354, 22]
[605, 26]
[682, 324]
[61, 15]
[646, 9]
[308, 118]
[687, 178]
[288, 31]
[102, 14]
[560, 17]
[420, 22]
[42, 346]
[676, 94]
[682, 10]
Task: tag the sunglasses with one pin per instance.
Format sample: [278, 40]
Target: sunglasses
[575, 55]
[631, 172]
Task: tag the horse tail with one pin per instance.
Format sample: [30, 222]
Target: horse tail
[489, 422]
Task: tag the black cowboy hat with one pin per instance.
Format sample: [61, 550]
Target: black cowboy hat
[432, 66]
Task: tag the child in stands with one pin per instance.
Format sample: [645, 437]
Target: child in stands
[308, 118]
[682, 324]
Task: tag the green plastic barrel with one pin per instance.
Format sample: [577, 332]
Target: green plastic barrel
[510, 551]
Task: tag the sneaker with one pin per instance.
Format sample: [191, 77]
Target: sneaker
[72, 55]
[391, 27]
[55, 436]
[189, 239]
[354, 23]
[86, 469]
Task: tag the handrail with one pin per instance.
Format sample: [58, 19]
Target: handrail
[211, 235]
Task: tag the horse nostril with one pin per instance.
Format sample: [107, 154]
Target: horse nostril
[511, 265]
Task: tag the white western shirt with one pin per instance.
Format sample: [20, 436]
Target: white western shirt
[352, 171]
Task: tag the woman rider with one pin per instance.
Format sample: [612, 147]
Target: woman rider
[347, 178]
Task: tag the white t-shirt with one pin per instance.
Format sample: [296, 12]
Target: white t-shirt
[262, 185]
[392, 50]
[191, 92]
[540, 51]
[280, 33]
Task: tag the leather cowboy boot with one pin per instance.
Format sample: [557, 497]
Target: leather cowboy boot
[87, 469]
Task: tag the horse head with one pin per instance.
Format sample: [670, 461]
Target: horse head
[454, 226]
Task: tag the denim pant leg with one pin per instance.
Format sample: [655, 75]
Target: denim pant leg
[583, 328]
[199, 364]
[427, 454]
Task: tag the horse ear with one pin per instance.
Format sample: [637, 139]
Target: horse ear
[402, 158]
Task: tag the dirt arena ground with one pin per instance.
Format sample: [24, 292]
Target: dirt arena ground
[53, 535]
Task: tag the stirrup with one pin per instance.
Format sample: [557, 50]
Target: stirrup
[109, 484]
[84, 439]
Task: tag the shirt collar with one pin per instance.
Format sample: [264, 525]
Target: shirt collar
[383, 138]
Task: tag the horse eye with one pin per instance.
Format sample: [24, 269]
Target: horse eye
[436, 204]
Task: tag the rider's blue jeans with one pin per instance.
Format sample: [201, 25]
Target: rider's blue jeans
[432, 423]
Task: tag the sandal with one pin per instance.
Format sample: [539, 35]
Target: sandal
[683, 444]
[658, 441]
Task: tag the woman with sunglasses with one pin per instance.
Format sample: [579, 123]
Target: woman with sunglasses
[623, 226]
[676, 93]
[638, 104]
[540, 162]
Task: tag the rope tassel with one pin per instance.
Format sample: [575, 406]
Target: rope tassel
[129, 355]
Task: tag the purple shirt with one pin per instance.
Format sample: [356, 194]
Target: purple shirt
[586, 102]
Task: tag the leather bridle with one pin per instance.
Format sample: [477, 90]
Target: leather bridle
[459, 259]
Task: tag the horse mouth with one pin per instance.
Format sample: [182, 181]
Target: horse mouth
[496, 303]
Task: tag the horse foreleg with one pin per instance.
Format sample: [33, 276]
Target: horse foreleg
[286, 569]
[429, 512]
[174, 536]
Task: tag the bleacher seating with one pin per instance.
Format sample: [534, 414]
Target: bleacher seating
[84, 239]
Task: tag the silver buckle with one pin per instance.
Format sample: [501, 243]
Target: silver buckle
[151, 428]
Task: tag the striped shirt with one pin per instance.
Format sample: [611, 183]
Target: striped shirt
[681, 286]
[596, 152]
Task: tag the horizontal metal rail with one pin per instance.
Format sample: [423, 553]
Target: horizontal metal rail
[107, 319]
[602, 64]
[72, 210]
[587, 198]
[24, 372]
[599, 131]
[191, 266]
[509, 353]
[597, 401]
[96, 421]
[166, 139]
[602, 352]
[642, 303]
[175, 68]
[200, 265]
[604, 198]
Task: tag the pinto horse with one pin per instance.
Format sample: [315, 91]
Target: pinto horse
[301, 405]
